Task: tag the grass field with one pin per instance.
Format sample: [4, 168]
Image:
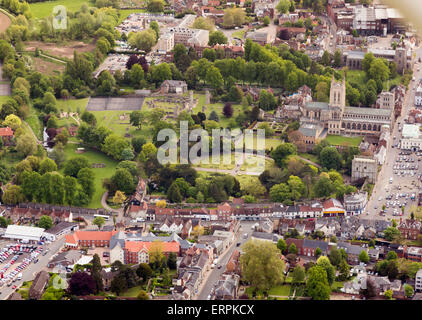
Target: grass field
[35, 123]
[45, 9]
[132, 292]
[100, 173]
[359, 76]
[343, 141]
[239, 34]
[310, 157]
[283, 290]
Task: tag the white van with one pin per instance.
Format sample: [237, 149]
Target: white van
[20, 276]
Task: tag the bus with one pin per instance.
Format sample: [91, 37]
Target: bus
[106, 218]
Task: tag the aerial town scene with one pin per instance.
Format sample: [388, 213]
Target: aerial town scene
[109, 189]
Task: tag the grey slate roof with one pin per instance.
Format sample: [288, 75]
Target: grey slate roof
[317, 105]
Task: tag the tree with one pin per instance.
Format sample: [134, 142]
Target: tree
[47, 165]
[335, 257]
[45, 222]
[324, 262]
[217, 37]
[118, 285]
[81, 284]
[261, 264]
[326, 58]
[142, 295]
[330, 158]
[282, 246]
[379, 70]
[228, 110]
[214, 78]
[337, 59]
[99, 222]
[392, 255]
[154, 26]
[144, 271]
[266, 21]
[172, 261]
[74, 165]
[86, 178]
[214, 116]
[282, 152]
[318, 252]
[173, 194]
[204, 24]
[137, 119]
[12, 121]
[408, 291]
[298, 275]
[283, 6]
[391, 233]
[26, 145]
[317, 284]
[143, 40]
[388, 294]
[13, 195]
[114, 146]
[119, 197]
[344, 270]
[156, 256]
[161, 204]
[293, 249]
[122, 180]
[363, 257]
[197, 231]
[137, 143]
[155, 6]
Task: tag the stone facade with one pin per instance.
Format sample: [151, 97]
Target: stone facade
[364, 168]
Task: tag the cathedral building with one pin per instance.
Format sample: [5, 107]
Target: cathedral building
[334, 117]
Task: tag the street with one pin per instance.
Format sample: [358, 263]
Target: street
[29, 273]
[223, 260]
[400, 184]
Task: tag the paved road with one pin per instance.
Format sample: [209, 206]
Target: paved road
[387, 170]
[33, 269]
[215, 274]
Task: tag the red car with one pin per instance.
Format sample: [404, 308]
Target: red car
[14, 287]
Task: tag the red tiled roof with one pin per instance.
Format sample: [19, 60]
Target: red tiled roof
[89, 235]
[6, 132]
[136, 246]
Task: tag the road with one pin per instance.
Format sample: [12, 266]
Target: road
[33, 268]
[205, 291]
[387, 170]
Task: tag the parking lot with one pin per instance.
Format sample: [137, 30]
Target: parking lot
[16, 255]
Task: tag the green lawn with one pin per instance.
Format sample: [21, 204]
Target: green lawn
[310, 157]
[283, 290]
[132, 292]
[72, 105]
[35, 123]
[4, 99]
[239, 34]
[359, 77]
[100, 173]
[45, 9]
[343, 141]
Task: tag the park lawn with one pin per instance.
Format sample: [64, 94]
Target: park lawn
[343, 141]
[72, 105]
[45, 9]
[100, 173]
[239, 34]
[308, 156]
[254, 164]
[249, 292]
[132, 292]
[221, 165]
[359, 77]
[245, 179]
[283, 290]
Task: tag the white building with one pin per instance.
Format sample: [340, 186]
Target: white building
[355, 203]
[25, 233]
[411, 137]
[418, 96]
[418, 280]
[166, 42]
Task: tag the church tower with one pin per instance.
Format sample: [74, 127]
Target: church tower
[338, 94]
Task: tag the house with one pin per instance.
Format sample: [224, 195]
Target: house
[259, 37]
[174, 86]
[353, 251]
[6, 134]
[233, 265]
[355, 203]
[89, 239]
[65, 259]
[263, 236]
[410, 229]
[226, 288]
[138, 251]
[63, 228]
[333, 208]
[171, 225]
[310, 246]
[36, 290]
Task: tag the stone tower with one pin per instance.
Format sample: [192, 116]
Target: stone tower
[387, 100]
[338, 93]
[401, 60]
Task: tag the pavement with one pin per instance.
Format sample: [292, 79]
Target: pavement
[29, 273]
[387, 170]
[212, 277]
